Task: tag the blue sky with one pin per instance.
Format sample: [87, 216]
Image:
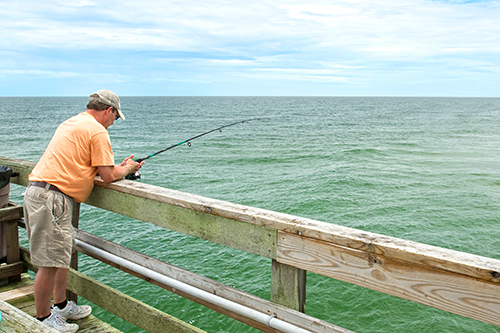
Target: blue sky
[250, 48]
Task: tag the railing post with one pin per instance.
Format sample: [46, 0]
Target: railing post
[75, 220]
[10, 239]
[288, 286]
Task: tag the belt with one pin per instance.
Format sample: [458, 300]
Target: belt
[44, 185]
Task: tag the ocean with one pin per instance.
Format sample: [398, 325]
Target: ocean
[421, 169]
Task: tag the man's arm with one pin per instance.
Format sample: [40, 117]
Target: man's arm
[115, 172]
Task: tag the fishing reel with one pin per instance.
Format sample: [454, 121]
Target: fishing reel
[133, 176]
[136, 175]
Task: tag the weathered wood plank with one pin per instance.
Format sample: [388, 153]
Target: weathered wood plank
[20, 166]
[90, 324]
[11, 212]
[26, 260]
[188, 213]
[17, 293]
[10, 270]
[75, 221]
[15, 320]
[211, 286]
[120, 304]
[456, 293]
[12, 235]
[25, 281]
[257, 239]
[288, 286]
[126, 307]
[420, 254]
[20, 295]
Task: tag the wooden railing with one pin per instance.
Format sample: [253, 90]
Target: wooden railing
[457, 282]
[10, 240]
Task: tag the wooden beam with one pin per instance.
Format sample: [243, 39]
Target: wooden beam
[208, 285]
[452, 292]
[26, 260]
[12, 235]
[236, 234]
[120, 304]
[20, 166]
[126, 307]
[17, 293]
[15, 320]
[417, 253]
[288, 286]
[11, 212]
[225, 222]
[10, 270]
[75, 221]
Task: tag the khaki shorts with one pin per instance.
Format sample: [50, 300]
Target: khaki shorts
[48, 217]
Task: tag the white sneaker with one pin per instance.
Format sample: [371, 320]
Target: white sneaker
[57, 322]
[72, 311]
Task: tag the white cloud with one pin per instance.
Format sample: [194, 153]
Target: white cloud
[39, 73]
[73, 3]
[279, 39]
[381, 27]
[312, 75]
[234, 62]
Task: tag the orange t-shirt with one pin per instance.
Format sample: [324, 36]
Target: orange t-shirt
[78, 147]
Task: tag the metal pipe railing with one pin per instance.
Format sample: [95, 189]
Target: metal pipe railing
[269, 320]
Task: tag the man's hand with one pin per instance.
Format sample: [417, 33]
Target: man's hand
[118, 171]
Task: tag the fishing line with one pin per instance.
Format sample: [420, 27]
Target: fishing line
[137, 174]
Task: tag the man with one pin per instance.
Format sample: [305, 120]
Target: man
[79, 150]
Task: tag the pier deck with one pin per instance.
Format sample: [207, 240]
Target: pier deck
[17, 305]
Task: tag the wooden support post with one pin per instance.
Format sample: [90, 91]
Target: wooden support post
[9, 217]
[75, 220]
[288, 286]
[13, 256]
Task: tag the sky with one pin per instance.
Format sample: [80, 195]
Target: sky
[250, 48]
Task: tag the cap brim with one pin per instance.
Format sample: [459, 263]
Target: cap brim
[121, 115]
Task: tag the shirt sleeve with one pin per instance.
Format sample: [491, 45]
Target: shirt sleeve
[101, 153]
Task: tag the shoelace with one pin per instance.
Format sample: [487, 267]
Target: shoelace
[59, 320]
[73, 308]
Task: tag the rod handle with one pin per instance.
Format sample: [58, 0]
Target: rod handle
[136, 175]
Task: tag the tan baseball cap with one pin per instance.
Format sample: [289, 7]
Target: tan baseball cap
[109, 98]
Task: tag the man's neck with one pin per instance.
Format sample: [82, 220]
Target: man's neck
[98, 116]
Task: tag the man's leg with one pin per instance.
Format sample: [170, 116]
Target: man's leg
[65, 309]
[45, 284]
[43, 289]
[61, 280]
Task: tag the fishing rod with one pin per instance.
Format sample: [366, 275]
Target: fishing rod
[137, 174]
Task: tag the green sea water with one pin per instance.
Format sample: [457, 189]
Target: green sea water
[422, 169]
